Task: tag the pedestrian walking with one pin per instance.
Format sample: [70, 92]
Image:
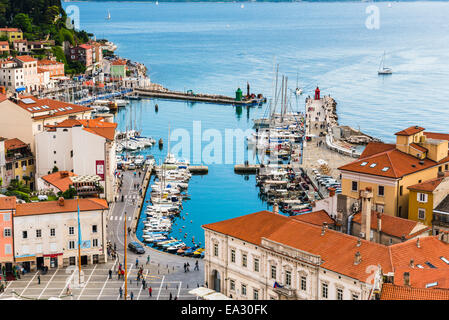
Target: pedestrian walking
[110, 274]
[137, 262]
[196, 265]
[132, 295]
[38, 279]
[170, 296]
[120, 290]
[188, 266]
[148, 259]
[115, 247]
[118, 274]
[144, 283]
[150, 291]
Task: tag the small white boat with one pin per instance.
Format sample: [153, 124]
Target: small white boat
[382, 69]
[108, 17]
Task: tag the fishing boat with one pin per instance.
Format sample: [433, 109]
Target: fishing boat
[382, 69]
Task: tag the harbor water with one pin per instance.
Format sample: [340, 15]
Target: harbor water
[217, 47]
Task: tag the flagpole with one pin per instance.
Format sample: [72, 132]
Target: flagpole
[126, 273]
[79, 242]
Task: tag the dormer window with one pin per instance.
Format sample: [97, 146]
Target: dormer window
[385, 169]
[373, 165]
[363, 163]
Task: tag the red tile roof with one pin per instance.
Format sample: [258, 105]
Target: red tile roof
[410, 131]
[10, 29]
[60, 180]
[70, 205]
[429, 185]
[119, 62]
[96, 126]
[420, 278]
[398, 163]
[53, 105]
[437, 136]
[418, 147]
[14, 144]
[337, 250]
[394, 226]
[392, 292]
[7, 203]
[26, 58]
[46, 62]
[85, 46]
[317, 218]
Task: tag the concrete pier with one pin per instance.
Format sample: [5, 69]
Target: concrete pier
[195, 170]
[252, 168]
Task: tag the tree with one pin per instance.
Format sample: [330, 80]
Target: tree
[55, 169]
[70, 193]
[26, 178]
[23, 22]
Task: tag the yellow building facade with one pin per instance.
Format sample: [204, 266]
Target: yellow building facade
[389, 169]
[12, 34]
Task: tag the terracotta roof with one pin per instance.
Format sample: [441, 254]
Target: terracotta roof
[4, 43]
[422, 278]
[26, 58]
[85, 46]
[410, 131]
[119, 62]
[47, 207]
[10, 29]
[390, 163]
[60, 180]
[430, 250]
[392, 292]
[14, 144]
[418, 147]
[58, 108]
[7, 203]
[317, 218]
[437, 136]
[20, 41]
[46, 62]
[428, 185]
[96, 126]
[337, 250]
[443, 205]
[394, 226]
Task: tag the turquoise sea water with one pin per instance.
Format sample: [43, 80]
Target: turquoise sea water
[217, 47]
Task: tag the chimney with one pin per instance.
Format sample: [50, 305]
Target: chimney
[359, 242]
[412, 263]
[61, 201]
[366, 196]
[418, 245]
[443, 236]
[323, 229]
[357, 258]
[331, 192]
[276, 208]
[379, 222]
[407, 279]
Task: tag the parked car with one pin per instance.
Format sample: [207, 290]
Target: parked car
[136, 247]
[131, 166]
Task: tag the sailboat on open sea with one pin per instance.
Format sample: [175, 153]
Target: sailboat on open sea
[108, 17]
[382, 69]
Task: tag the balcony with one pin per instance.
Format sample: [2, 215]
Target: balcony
[286, 293]
[441, 220]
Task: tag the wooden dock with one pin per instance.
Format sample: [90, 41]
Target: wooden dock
[208, 98]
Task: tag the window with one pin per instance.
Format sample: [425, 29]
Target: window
[24, 234]
[288, 278]
[400, 190]
[244, 260]
[216, 249]
[39, 127]
[232, 255]
[72, 261]
[440, 168]
[38, 233]
[232, 285]
[324, 290]
[446, 167]
[380, 191]
[339, 294]
[95, 243]
[30, 162]
[422, 197]
[355, 296]
[71, 153]
[255, 294]
[421, 213]
[23, 163]
[303, 283]
[71, 230]
[273, 272]
[354, 186]
[8, 249]
[243, 290]
[72, 244]
[52, 232]
[256, 265]
[94, 228]
[7, 232]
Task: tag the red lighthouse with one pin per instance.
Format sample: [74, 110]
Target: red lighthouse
[317, 93]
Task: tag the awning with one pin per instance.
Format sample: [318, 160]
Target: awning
[20, 89]
[208, 294]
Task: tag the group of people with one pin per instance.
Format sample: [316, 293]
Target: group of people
[187, 266]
